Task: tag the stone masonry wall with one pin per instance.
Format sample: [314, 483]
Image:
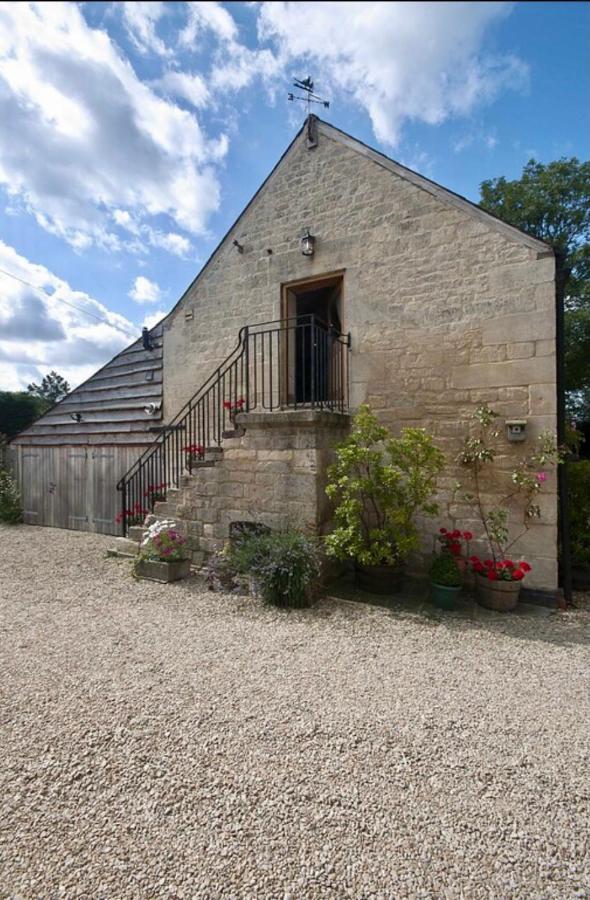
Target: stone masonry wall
[275, 474]
[446, 309]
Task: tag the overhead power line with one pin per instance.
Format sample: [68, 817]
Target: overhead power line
[85, 312]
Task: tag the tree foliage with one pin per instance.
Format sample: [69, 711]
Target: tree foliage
[53, 388]
[552, 202]
[18, 410]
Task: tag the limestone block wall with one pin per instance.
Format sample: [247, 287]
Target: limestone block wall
[275, 474]
[446, 307]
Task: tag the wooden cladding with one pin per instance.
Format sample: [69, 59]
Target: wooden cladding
[111, 405]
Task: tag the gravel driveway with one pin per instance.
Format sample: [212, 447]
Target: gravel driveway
[162, 741]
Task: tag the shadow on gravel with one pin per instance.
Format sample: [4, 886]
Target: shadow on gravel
[528, 621]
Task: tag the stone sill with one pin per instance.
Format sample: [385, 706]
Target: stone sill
[299, 418]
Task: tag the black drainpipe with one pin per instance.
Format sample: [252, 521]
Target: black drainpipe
[565, 557]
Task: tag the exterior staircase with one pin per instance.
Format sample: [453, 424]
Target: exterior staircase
[264, 423]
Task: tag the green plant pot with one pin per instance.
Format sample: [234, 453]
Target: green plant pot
[499, 595]
[444, 596]
[380, 579]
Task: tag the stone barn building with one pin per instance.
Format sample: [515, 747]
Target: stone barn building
[347, 278]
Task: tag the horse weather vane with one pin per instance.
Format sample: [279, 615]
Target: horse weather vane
[309, 97]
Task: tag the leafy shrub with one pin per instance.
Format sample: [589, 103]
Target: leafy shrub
[284, 566]
[579, 506]
[378, 484]
[11, 510]
[444, 571]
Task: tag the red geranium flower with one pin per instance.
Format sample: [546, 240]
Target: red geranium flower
[443, 530]
[524, 566]
[517, 574]
[492, 576]
[467, 536]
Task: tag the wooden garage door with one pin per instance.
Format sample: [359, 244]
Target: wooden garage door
[73, 487]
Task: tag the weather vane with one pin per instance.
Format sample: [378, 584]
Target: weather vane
[309, 97]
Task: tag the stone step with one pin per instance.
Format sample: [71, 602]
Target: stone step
[123, 547]
[135, 532]
[230, 434]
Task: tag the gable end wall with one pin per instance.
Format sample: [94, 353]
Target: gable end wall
[446, 309]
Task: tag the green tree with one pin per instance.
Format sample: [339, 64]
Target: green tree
[18, 410]
[552, 202]
[53, 387]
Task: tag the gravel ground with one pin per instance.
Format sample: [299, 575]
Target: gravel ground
[162, 741]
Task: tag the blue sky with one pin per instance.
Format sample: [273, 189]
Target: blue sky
[132, 135]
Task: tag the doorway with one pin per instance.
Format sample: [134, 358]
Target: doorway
[312, 313]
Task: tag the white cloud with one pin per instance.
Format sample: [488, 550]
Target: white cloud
[186, 85]
[235, 65]
[140, 19]
[153, 319]
[207, 16]
[145, 291]
[400, 61]
[40, 332]
[173, 243]
[110, 145]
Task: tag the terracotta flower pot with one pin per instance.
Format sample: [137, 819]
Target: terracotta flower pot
[499, 595]
[379, 579]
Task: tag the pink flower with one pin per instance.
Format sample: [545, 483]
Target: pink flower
[541, 477]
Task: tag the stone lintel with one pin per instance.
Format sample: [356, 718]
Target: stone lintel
[294, 418]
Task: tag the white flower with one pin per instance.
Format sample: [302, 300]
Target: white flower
[155, 529]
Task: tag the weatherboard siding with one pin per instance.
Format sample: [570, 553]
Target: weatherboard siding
[111, 402]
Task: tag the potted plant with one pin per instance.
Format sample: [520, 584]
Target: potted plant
[498, 582]
[498, 579]
[445, 580]
[234, 408]
[194, 453]
[155, 493]
[455, 543]
[378, 484]
[134, 516]
[162, 553]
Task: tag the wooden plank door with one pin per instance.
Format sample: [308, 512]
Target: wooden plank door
[74, 511]
[103, 497]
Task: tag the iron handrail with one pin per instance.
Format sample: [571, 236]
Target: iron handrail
[299, 361]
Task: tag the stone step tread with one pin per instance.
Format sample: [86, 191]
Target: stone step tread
[113, 553]
[230, 434]
[124, 545]
[135, 532]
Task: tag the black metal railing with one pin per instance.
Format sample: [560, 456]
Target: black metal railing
[289, 364]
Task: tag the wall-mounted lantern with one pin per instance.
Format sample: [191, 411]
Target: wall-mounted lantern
[76, 416]
[307, 243]
[516, 430]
